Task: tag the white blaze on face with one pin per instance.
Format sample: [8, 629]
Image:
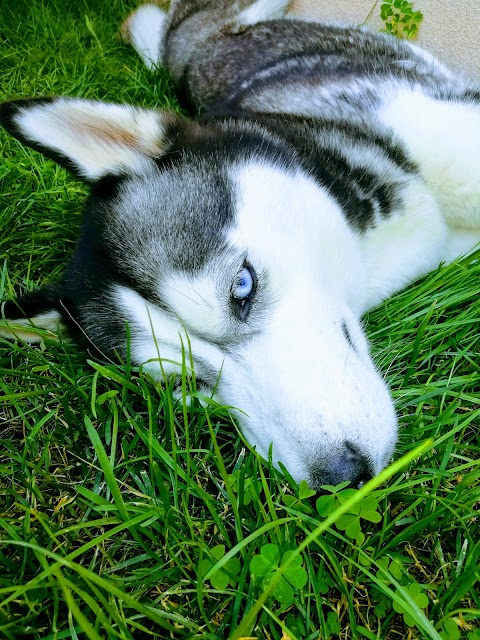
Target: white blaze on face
[302, 384]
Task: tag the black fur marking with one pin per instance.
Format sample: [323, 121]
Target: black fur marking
[393, 149]
[94, 267]
[292, 126]
[225, 144]
[358, 190]
[107, 187]
[184, 95]
[32, 304]
[472, 95]
[299, 65]
[181, 14]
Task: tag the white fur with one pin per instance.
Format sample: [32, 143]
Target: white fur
[293, 207]
[97, 137]
[145, 30]
[25, 328]
[156, 336]
[202, 304]
[409, 244]
[263, 10]
[444, 139]
[307, 390]
[298, 383]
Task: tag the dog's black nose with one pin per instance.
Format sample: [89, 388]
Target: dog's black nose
[345, 465]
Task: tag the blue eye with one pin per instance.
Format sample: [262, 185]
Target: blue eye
[242, 291]
[243, 285]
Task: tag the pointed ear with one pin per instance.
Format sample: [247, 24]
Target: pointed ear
[31, 316]
[91, 138]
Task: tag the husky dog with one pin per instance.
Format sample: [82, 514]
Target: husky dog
[328, 168]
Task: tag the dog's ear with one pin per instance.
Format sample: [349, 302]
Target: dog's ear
[90, 138]
[29, 317]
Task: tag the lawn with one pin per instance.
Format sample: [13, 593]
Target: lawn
[125, 514]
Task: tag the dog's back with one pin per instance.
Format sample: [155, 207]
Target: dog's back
[227, 60]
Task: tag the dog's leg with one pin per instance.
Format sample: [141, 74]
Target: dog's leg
[145, 30]
[146, 27]
[198, 40]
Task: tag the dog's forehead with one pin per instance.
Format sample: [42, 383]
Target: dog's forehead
[182, 217]
[177, 217]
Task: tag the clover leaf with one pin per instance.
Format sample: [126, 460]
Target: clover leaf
[296, 625]
[450, 630]
[383, 606]
[283, 592]
[224, 576]
[349, 522]
[249, 488]
[351, 525]
[265, 564]
[296, 502]
[324, 582]
[295, 574]
[330, 501]
[304, 491]
[420, 598]
[400, 18]
[333, 623]
[395, 567]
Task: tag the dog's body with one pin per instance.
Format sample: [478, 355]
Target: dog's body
[330, 168]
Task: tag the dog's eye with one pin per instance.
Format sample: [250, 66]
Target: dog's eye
[243, 285]
[242, 292]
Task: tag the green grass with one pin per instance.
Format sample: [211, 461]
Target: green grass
[124, 515]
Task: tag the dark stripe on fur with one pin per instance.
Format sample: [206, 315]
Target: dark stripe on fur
[359, 190]
[261, 55]
[224, 142]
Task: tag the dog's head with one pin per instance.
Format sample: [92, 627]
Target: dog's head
[212, 234]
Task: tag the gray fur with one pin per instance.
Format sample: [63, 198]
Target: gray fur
[252, 67]
[318, 86]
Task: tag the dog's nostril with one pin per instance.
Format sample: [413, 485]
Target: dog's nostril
[348, 465]
[362, 469]
[363, 476]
